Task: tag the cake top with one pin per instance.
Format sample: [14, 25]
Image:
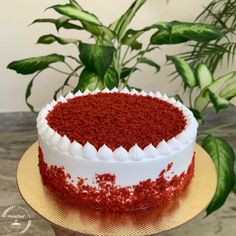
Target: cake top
[116, 125]
[116, 119]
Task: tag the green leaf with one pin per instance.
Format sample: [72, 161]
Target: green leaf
[88, 80]
[218, 102]
[179, 32]
[203, 99]
[62, 22]
[50, 38]
[130, 39]
[45, 20]
[111, 79]
[184, 70]
[33, 64]
[204, 76]
[196, 113]
[125, 72]
[229, 91]
[96, 58]
[223, 157]
[99, 31]
[149, 62]
[75, 4]
[131, 36]
[89, 21]
[120, 25]
[76, 13]
[28, 92]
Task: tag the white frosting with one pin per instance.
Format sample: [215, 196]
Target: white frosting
[105, 153]
[183, 137]
[42, 114]
[42, 129]
[55, 139]
[53, 103]
[151, 151]
[143, 93]
[131, 166]
[86, 92]
[179, 104]
[125, 90]
[136, 153]
[49, 107]
[115, 90]
[89, 151]
[97, 90]
[106, 90]
[172, 101]
[61, 99]
[41, 122]
[70, 95]
[165, 98]
[134, 91]
[75, 149]
[164, 148]
[151, 94]
[79, 93]
[158, 95]
[48, 133]
[127, 172]
[175, 144]
[64, 144]
[121, 154]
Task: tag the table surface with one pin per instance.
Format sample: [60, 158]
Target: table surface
[18, 132]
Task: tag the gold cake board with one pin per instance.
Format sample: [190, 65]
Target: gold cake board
[66, 219]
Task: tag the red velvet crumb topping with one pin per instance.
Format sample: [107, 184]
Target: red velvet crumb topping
[117, 119]
[107, 195]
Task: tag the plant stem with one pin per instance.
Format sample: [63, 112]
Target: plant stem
[72, 68]
[117, 62]
[136, 63]
[66, 81]
[190, 98]
[139, 53]
[136, 55]
[124, 56]
[75, 59]
[60, 71]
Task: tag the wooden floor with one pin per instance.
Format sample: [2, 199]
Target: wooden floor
[17, 133]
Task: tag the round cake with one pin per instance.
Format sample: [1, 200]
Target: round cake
[116, 150]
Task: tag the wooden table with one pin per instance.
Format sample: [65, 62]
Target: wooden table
[18, 132]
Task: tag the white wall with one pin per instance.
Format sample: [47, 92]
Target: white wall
[18, 41]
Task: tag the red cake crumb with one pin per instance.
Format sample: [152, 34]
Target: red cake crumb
[117, 119]
[107, 195]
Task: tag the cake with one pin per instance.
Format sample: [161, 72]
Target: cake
[116, 150]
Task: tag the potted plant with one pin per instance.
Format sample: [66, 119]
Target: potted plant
[116, 52]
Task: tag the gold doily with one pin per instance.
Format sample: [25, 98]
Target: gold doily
[94, 222]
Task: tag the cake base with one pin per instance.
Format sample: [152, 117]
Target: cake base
[89, 221]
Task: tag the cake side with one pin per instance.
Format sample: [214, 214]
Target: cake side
[105, 194]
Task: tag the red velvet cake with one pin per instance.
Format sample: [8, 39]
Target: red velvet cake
[116, 150]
